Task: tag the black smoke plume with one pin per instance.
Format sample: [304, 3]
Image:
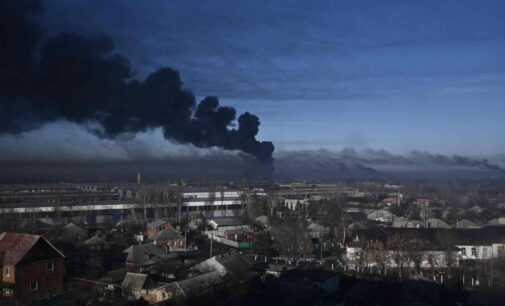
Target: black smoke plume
[83, 80]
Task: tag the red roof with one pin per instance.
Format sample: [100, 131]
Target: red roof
[15, 246]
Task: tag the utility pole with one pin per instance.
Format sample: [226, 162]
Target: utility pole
[424, 206]
[211, 240]
[185, 240]
[12, 206]
[179, 201]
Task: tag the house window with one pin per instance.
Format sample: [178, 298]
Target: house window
[501, 249]
[50, 266]
[484, 252]
[34, 285]
[7, 271]
[463, 251]
[474, 251]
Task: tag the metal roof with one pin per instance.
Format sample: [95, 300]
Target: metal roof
[156, 223]
[14, 246]
[169, 234]
[134, 281]
[228, 222]
[197, 284]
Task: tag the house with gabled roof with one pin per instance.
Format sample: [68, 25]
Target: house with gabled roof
[144, 255]
[436, 223]
[134, 285]
[170, 239]
[157, 226]
[30, 266]
[381, 215]
[206, 277]
[465, 223]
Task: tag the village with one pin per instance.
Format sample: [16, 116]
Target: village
[330, 244]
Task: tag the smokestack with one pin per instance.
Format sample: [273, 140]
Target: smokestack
[138, 178]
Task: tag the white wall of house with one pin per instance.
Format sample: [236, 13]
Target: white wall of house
[498, 249]
[428, 259]
[220, 230]
[481, 251]
[293, 204]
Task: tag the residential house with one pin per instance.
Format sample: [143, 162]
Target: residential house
[426, 250]
[436, 223]
[465, 223]
[162, 292]
[295, 203]
[226, 264]
[195, 286]
[144, 255]
[357, 226]
[170, 239]
[423, 201]
[429, 212]
[220, 226]
[263, 220]
[317, 231]
[278, 270]
[239, 235]
[30, 266]
[74, 232]
[208, 276]
[469, 243]
[476, 209]
[95, 243]
[157, 226]
[481, 243]
[113, 278]
[381, 215]
[403, 222]
[392, 200]
[134, 285]
[497, 221]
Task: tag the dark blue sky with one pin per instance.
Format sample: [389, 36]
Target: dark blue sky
[397, 75]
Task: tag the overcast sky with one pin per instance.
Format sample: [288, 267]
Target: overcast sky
[397, 75]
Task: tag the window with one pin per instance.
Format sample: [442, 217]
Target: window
[463, 251]
[7, 271]
[501, 249]
[50, 266]
[474, 251]
[484, 252]
[34, 285]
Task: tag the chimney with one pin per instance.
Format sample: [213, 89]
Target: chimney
[138, 178]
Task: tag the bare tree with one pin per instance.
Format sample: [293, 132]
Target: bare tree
[375, 253]
[397, 246]
[447, 242]
[415, 249]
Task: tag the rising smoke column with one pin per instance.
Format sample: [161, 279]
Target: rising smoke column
[83, 80]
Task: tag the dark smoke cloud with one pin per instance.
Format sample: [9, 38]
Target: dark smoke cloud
[369, 163]
[82, 80]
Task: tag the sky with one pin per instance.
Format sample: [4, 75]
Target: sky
[394, 75]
